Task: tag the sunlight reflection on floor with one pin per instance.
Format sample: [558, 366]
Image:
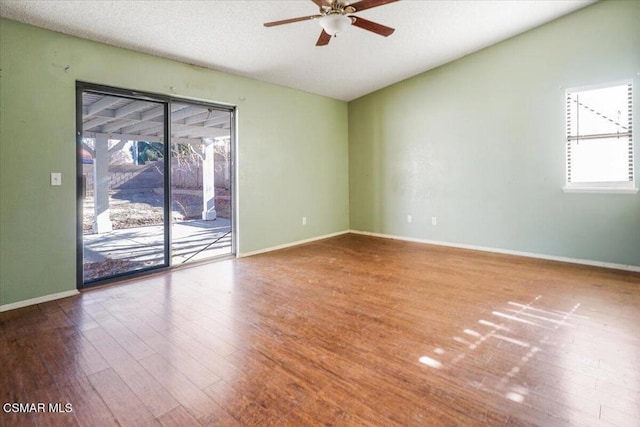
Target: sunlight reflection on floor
[508, 322]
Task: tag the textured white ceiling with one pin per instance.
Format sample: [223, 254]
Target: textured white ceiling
[229, 35]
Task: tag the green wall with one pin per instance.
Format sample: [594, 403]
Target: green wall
[290, 163]
[479, 144]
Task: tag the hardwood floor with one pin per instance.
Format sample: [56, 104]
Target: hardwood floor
[352, 330]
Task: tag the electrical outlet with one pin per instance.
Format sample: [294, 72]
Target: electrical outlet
[304, 220]
[409, 219]
[56, 178]
[433, 220]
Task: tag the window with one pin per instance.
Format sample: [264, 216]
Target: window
[600, 138]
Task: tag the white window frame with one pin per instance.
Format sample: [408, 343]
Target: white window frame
[620, 187]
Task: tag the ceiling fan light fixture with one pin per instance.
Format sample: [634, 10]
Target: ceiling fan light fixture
[334, 24]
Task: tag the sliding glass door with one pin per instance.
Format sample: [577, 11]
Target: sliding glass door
[201, 171]
[155, 182]
[123, 158]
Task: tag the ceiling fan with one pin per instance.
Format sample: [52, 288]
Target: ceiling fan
[335, 17]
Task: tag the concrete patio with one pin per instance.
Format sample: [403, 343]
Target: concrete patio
[143, 247]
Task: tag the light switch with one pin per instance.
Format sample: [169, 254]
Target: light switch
[56, 178]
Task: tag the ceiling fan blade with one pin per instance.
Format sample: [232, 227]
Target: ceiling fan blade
[324, 39]
[321, 3]
[368, 4]
[289, 21]
[374, 27]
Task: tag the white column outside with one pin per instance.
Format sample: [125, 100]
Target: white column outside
[102, 221]
[208, 182]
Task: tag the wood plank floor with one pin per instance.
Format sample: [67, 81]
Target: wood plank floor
[352, 330]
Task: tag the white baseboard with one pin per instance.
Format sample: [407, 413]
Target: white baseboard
[38, 300]
[288, 245]
[614, 266]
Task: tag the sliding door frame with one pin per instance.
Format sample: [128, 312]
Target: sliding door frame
[166, 100]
